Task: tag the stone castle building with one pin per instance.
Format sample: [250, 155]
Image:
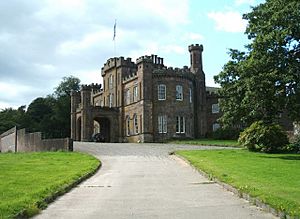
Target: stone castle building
[146, 101]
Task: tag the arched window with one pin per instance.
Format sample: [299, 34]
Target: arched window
[135, 124]
[128, 126]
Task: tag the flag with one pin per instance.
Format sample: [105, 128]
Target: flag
[115, 25]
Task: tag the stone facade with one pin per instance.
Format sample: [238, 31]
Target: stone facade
[145, 101]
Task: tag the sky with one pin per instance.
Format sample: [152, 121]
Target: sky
[42, 41]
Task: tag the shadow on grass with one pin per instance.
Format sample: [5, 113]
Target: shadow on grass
[285, 157]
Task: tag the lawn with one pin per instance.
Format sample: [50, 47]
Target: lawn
[28, 179]
[273, 178]
[206, 141]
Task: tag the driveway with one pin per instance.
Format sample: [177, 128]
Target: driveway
[144, 181]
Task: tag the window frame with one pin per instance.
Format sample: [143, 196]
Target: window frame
[179, 92]
[215, 108]
[180, 125]
[161, 91]
[135, 124]
[162, 124]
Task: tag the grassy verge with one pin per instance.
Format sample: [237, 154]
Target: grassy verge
[212, 142]
[29, 180]
[273, 178]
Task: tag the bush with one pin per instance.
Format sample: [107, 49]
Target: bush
[263, 137]
[226, 134]
[294, 147]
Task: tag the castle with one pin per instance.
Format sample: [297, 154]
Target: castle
[146, 101]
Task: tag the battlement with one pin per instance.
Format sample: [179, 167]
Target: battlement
[196, 47]
[130, 77]
[117, 62]
[94, 87]
[154, 59]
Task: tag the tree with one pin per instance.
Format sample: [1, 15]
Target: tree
[264, 81]
[66, 86]
[62, 108]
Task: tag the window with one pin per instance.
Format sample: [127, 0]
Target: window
[111, 98]
[127, 96]
[216, 126]
[161, 92]
[135, 123]
[110, 81]
[135, 93]
[180, 124]
[162, 124]
[215, 108]
[191, 97]
[179, 95]
[128, 126]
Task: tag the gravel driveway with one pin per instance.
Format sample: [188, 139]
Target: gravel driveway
[144, 181]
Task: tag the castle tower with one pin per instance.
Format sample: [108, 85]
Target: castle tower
[86, 120]
[196, 58]
[200, 122]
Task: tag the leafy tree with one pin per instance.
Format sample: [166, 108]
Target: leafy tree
[13, 117]
[264, 81]
[66, 86]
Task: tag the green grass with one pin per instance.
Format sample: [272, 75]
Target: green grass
[210, 142]
[273, 178]
[27, 180]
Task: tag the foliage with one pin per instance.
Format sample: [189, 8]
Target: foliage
[226, 133]
[67, 85]
[27, 179]
[263, 137]
[272, 178]
[293, 147]
[265, 80]
[49, 115]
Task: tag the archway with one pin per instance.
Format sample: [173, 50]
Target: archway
[102, 126]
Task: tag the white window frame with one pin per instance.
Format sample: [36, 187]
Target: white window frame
[127, 96]
[215, 108]
[179, 92]
[180, 124]
[162, 124]
[161, 91]
[135, 124]
[111, 99]
[135, 93]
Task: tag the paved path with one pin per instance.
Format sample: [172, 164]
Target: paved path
[143, 181]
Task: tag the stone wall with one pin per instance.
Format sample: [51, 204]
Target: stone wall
[8, 141]
[19, 141]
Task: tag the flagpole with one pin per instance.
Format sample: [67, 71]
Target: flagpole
[114, 38]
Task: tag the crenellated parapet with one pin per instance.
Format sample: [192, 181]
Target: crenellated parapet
[116, 63]
[174, 72]
[153, 59]
[196, 47]
[130, 77]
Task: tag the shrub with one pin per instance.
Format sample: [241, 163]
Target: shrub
[263, 137]
[294, 146]
[226, 134]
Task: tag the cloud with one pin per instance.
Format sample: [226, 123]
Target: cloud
[43, 41]
[229, 21]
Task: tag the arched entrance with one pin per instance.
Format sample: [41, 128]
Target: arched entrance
[102, 126]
